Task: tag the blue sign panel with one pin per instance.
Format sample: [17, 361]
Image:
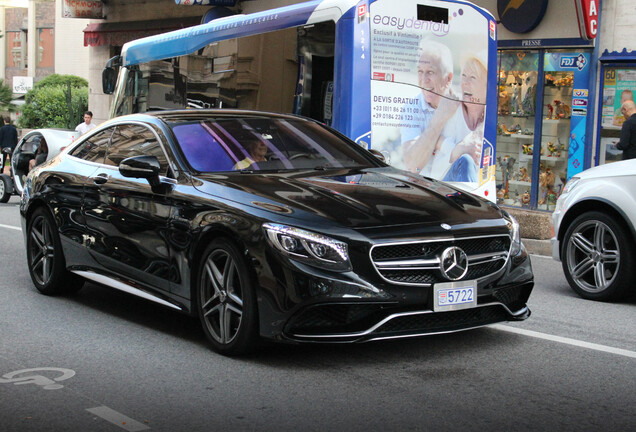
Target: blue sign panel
[579, 64]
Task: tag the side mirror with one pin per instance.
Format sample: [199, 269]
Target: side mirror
[143, 166]
[109, 75]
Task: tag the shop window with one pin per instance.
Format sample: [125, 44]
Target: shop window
[46, 48]
[16, 49]
[619, 85]
[555, 136]
[540, 144]
[517, 89]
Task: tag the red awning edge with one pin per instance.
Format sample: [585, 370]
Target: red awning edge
[118, 33]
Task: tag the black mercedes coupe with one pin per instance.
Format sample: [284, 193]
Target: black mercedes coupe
[269, 226]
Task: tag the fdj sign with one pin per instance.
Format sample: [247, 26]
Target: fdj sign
[573, 62]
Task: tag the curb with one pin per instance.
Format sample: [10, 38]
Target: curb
[538, 247]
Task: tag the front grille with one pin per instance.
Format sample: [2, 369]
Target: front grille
[335, 318]
[418, 263]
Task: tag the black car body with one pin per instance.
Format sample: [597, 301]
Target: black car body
[320, 242]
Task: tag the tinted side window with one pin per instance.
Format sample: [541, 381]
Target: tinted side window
[135, 140]
[94, 149]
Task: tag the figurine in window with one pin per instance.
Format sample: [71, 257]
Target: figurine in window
[546, 181]
[550, 112]
[504, 102]
[528, 92]
[525, 199]
[516, 100]
[559, 110]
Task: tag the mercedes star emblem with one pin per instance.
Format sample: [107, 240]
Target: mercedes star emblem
[454, 263]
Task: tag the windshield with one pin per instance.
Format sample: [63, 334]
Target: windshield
[265, 144]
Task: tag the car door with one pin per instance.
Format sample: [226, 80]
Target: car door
[72, 175]
[125, 219]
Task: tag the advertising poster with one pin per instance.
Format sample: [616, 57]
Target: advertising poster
[430, 78]
[619, 85]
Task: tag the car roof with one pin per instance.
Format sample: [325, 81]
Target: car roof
[206, 114]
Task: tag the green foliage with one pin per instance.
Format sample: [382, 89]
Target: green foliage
[60, 106]
[55, 80]
[5, 98]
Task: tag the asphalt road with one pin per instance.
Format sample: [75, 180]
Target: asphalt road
[113, 362]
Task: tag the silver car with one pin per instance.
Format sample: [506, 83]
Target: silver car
[594, 234]
[25, 151]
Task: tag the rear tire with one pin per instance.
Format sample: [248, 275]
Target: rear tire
[45, 258]
[226, 300]
[596, 257]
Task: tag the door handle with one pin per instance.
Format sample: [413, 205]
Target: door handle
[100, 179]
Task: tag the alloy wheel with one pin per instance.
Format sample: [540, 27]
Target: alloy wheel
[593, 256]
[41, 250]
[221, 297]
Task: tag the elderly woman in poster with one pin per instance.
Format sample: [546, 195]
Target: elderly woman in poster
[449, 146]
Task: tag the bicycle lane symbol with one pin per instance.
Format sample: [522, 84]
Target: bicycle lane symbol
[30, 376]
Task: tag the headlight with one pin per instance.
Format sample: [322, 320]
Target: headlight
[515, 234]
[309, 247]
[571, 184]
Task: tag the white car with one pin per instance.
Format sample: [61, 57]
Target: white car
[594, 234]
[56, 140]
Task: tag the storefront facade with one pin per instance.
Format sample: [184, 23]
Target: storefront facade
[546, 97]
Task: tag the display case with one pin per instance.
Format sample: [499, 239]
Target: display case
[517, 90]
[517, 143]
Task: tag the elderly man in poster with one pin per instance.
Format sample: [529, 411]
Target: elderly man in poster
[433, 108]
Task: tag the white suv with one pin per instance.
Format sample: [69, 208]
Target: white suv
[594, 235]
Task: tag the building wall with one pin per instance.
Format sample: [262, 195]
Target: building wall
[559, 21]
[618, 25]
[15, 39]
[72, 57]
[140, 10]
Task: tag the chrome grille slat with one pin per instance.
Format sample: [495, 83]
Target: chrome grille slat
[417, 262]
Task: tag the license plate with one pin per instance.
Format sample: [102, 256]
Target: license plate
[451, 296]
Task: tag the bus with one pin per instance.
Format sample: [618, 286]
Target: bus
[414, 80]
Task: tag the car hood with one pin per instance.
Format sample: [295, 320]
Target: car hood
[615, 169]
[352, 198]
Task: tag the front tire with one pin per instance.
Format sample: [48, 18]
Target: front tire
[5, 187]
[226, 300]
[45, 258]
[596, 250]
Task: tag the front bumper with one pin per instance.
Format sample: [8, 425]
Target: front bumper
[556, 248]
[360, 322]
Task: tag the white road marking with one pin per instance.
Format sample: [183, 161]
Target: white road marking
[11, 227]
[118, 419]
[567, 341]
